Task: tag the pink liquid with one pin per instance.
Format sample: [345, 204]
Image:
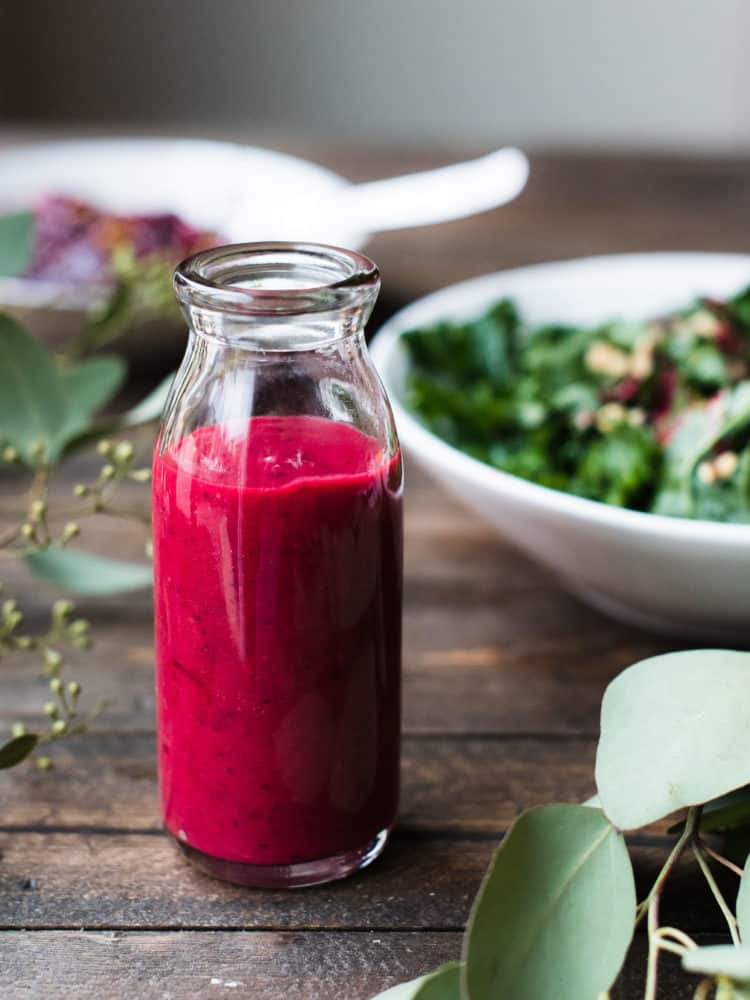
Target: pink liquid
[277, 548]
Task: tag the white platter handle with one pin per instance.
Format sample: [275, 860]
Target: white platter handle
[437, 195]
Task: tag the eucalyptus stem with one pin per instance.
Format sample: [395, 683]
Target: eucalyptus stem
[673, 949]
[652, 965]
[683, 940]
[720, 859]
[650, 904]
[680, 845]
[40, 483]
[717, 893]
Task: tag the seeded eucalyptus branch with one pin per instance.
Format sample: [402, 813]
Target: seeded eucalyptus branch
[142, 291]
[556, 912]
[64, 715]
[49, 411]
[50, 408]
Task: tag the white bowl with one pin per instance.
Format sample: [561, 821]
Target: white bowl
[668, 574]
[244, 193]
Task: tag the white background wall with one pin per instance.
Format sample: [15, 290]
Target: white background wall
[657, 73]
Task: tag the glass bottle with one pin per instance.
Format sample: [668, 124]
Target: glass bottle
[277, 489]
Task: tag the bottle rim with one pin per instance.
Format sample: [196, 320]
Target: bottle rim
[276, 279]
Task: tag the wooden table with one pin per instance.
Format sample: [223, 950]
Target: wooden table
[503, 675]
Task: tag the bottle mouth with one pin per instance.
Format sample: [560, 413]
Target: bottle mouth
[277, 279]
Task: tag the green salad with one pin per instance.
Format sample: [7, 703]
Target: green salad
[653, 415]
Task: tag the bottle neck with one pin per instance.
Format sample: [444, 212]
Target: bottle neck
[277, 297]
[278, 335]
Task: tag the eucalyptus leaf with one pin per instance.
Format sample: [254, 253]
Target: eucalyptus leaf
[17, 749]
[728, 960]
[92, 384]
[88, 387]
[673, 734]
[88, 574]
[151, 407]
[16, 243]
[743, 906]
[442, 984]
[555, 914]
[33, 401]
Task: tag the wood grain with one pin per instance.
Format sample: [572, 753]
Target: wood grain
[224, 965]
[109, 780]
[492, 643]
[500, 666]
[138, 881]
[219, 965]
[424, 881]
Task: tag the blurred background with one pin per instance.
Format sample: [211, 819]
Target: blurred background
[657, 74]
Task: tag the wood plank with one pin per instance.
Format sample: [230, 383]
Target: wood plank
[109, 780]
[492, 643]
[122, 882]
[423, 881]
[261, 966]
[96, 869]
[533, 663]
[58, 965]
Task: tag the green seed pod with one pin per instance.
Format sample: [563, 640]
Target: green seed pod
[59, 727]
[79, 627]
[28, 531]
[18, 729]
[62, 610]
[74, 689]
[13, 620]
[9, 607]
[25, 642]
[69, 532]
[43, 763]
[56, 685]
[123, 452]
[107, 472]
[9, 454]
[141, 475]
[37, 511]
[81, 490]
[51, 710]
[104, 447]
[52, 659]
